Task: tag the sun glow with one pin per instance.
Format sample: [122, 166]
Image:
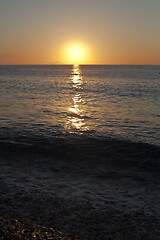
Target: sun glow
[75, 53]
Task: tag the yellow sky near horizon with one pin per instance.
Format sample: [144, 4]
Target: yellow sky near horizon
[103, 31]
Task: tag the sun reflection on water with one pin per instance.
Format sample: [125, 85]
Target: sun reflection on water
[75, 117]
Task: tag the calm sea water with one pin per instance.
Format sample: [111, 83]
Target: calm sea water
[102, 101]
[80, 141]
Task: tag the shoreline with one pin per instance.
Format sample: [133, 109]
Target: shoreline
[82, 201]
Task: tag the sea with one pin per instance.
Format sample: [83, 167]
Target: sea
[81, 110]
[80, 148]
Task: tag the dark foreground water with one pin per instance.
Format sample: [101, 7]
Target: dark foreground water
[80, 151]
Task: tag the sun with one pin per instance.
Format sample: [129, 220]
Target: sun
[76, 53]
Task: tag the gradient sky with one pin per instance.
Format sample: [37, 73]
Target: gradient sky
[104, 31]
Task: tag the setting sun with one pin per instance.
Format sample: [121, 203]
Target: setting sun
[75, 52]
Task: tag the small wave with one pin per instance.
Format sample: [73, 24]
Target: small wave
[78, 115]
[76, 148]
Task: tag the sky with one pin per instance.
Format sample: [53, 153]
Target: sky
[102, 31]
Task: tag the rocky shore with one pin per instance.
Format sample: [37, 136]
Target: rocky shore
[45, 197]
[77, 208]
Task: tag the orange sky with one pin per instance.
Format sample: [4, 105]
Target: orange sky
[103, 31]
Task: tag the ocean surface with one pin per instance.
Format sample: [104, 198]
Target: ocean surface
[80, 150]
[82, 107]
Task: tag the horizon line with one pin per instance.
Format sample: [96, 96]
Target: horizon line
[79, 64]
